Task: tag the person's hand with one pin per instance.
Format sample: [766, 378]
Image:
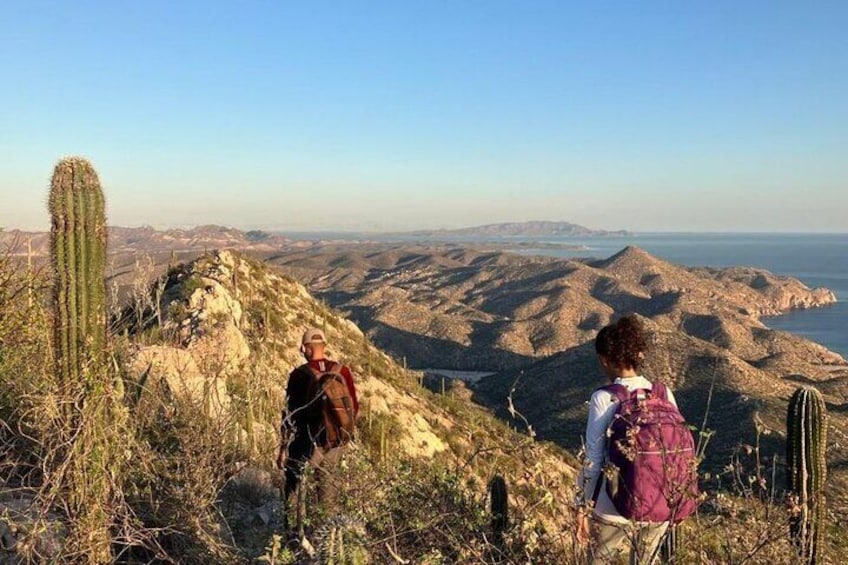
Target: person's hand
[582, 526]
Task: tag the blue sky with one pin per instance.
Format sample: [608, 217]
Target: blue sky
[722, 116]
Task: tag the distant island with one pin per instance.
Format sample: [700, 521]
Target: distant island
[524, 229]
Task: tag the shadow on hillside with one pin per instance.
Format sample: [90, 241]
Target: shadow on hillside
[611, 292]
[424, 351]
[553, 395]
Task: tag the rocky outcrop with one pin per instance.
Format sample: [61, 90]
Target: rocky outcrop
[204, 317]
[179, 371]
[419, 439]
[779, 294]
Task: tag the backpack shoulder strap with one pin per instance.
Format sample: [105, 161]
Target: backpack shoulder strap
[622, 394]
[335, 367]
[307, 369]
[659, 390]
[619, 391]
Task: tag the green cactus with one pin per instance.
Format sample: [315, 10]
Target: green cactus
[499, 502]
[384, 443]
[806, 441]
[249, 423]
[341, 542]
[78, 245]
[93, 420]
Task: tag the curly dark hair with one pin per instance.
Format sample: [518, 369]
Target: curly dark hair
[623, 343]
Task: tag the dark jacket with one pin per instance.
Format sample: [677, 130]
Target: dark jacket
[302, 418]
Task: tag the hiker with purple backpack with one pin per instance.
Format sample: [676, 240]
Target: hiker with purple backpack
[640, 472]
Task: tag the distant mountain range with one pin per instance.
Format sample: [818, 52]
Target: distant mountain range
[150, 240]
[529, 229]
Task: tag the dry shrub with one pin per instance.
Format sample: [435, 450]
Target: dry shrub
[176, 480]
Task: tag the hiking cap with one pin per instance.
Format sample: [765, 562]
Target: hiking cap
[313, 335]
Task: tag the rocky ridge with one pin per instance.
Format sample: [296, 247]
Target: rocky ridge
[147, 239]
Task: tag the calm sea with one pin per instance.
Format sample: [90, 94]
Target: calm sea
[815, 259]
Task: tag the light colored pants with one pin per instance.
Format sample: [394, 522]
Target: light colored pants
[324, 468]
[641, 541]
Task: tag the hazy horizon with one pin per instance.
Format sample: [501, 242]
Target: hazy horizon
[285, 230]
[386, 117]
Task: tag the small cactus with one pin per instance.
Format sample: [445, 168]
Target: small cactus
[499, 503]
[341, 542]
[806, 441]
[249, 423]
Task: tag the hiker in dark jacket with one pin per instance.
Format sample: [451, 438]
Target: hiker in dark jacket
[302, 430]
[621, 349]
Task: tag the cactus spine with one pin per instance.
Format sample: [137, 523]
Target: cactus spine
[78, 245]
[806, 440]
[499, 501]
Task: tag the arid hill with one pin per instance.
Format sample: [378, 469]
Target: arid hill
[454, 307]
[222, 331]
[204, 358]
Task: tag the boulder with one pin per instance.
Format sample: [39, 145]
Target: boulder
[178, 369]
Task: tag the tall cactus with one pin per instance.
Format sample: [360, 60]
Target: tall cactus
[806, 440]
[499, 500]
[78, 245]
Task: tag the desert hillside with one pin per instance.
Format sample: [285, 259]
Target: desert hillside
[204, 359]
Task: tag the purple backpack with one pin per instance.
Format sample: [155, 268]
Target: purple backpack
[652, 453]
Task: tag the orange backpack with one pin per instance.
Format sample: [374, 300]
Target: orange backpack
[335, 404]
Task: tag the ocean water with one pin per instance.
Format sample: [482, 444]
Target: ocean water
[815, 259]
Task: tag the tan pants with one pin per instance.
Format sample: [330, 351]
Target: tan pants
[614, 541]
[322, 464]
